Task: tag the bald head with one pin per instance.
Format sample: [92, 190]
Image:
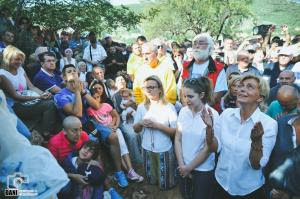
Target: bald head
[288, 97]
[286, 77]
[70, 122]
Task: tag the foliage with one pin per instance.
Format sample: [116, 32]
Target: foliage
[97, 15]
[178, 18]
[278, 12]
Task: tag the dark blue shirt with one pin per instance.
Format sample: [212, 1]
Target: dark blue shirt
[44, 81]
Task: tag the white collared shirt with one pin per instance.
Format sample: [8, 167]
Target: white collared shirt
[193, 133]
[201, 69]
[234, 171]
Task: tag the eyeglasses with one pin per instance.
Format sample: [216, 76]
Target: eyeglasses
[160, 46]
[199, 43]
[149, 87]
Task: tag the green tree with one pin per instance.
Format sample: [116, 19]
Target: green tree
[179, 18]
[96, 15]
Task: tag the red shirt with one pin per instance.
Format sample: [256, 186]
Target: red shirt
[60, 146]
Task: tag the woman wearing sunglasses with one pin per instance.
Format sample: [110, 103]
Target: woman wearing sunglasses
[156, 119]
[195, 162]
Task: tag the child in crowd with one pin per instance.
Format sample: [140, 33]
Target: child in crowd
[86, 174]
[112, 88]
[109, 117]
[127, 98]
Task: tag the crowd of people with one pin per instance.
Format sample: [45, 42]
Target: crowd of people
[219, 119]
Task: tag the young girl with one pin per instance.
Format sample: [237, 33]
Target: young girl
[109, 117]
[193, 157]
[86, 174]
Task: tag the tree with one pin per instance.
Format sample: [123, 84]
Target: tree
[182, 17]
[96, 15]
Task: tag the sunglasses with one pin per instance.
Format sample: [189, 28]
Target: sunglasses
[191, 81]
[160, 46]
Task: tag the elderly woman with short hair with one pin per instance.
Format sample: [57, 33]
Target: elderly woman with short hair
[245, 138]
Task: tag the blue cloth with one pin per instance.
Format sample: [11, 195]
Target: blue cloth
[64, 97]
[95, 177]
[43, 81]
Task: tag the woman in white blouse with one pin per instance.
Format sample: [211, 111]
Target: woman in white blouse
[156, 119]
[244, 137]
[192, 154]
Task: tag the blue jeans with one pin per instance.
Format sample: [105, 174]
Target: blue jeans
[103, 132]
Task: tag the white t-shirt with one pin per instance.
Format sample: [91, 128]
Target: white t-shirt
[202, 69]
[193, 132]
[152, 139]
[18, 81]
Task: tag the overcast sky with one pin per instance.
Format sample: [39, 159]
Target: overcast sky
[124, 2]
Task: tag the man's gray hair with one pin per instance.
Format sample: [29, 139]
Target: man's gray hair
[150, 45]
[209, 39]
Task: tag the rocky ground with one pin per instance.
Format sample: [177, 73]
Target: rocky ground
[144, 190]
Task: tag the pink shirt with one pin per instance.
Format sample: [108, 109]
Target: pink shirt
[101, 115]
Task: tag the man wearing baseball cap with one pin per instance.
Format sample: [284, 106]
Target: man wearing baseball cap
[284, 63]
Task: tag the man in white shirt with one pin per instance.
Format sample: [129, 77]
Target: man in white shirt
[94, 53]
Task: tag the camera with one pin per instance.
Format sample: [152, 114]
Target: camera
[16, 180]
[261, 30]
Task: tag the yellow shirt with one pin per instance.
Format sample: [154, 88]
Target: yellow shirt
[166, 76]
[134, 62]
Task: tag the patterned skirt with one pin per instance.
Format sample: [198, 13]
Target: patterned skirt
[160, 168]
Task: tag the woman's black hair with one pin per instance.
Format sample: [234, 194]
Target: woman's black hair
[103, 97]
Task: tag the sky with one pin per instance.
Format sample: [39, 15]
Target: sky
[124, 2]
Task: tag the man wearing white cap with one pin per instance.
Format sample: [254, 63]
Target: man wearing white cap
[274, 69]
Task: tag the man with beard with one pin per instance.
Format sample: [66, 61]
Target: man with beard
[204, 65]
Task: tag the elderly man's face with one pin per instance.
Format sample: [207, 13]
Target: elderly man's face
[148, 54]
[98, 74]
[201, 50]
[286, 78]
[201, 43]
